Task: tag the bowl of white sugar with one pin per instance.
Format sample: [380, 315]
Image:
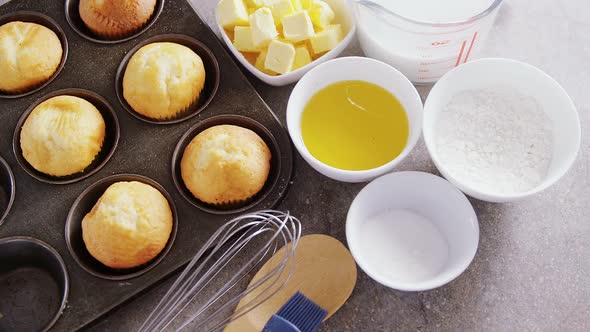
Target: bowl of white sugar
[500, 130]
[412, 231]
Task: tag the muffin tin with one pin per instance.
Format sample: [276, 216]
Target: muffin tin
[144, 151]
[237, 120]
[84, 204]
[7, 189]
[46, 21]
[34, 284]
[211, 78]
[111, 138]
[76, 23]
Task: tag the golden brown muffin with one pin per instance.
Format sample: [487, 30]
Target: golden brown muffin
[225, 165]
[62, 135]
[29, 55]
[129, 225]
[113, 19]
[162, 80]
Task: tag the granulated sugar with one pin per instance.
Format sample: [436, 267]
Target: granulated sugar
[404, 246]
[495, 140]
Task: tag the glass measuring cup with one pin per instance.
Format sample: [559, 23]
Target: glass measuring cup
[423, 51]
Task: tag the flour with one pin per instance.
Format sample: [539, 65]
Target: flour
[495, 140]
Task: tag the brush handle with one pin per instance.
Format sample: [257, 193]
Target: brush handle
[278, 324]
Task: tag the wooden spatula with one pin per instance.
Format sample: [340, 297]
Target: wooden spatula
[324, 271]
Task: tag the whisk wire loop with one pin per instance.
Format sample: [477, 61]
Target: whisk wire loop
[266, 231]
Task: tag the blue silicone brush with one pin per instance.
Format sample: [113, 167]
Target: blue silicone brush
[299, 314]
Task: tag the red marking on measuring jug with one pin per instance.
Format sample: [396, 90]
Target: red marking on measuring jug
[439, 43]
[424, 78]
[436, 62]
[471, 46]
[460, 53]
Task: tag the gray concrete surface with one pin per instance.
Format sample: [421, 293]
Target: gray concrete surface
[531, 272]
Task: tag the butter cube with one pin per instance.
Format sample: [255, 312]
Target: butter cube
[302, 57]
[305, 4]
[255, 3]
[280, 57]
[260, 64]
[321, 14]
[298, 26]
[297, 5]
[231, 13]
[280, 8]
[263, 27]
[243, 40]
[327, 39]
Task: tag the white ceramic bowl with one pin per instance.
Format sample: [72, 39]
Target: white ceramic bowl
[529, 81]
[343, 16]
[426, 195]
[354, 68]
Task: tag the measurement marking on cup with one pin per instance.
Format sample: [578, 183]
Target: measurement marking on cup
[470, 46]
[460, 53]
[438, 43]
[430, 77]
[436, 62]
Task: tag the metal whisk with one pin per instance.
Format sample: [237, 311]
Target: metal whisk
[264, 233]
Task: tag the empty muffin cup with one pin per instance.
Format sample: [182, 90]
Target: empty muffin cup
[111, 139]
[260, 200]
[212, 76]
[72, 12]
[48, 22]
[84, 204]
[7, 189]
[34, 285]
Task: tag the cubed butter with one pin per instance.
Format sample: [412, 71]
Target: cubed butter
[298, 26]
[326, 39]
[243, 40]
[263, 27]
[302, 57]
[321, 14]
[231, 13]
[280, 57]
[260, 64]
[297, 5]
[280, 8]
[255, 3]
[305, 4]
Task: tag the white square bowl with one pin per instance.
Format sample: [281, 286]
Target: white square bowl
[344, 16]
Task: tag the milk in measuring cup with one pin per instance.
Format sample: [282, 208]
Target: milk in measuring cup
[424, 38]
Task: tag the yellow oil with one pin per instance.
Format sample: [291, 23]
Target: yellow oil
[354, 125]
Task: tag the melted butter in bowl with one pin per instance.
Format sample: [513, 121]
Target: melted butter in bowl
[354, 125]
[354, 119]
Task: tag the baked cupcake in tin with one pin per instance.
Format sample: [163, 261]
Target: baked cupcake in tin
[62, 136]
[163, 80]
[114, 19]
[29, 55]
[225, 165]
[128, 226]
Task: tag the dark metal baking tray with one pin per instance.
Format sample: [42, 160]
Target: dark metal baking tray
[40, 209]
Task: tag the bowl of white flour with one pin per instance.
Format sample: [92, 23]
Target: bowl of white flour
[501, 130]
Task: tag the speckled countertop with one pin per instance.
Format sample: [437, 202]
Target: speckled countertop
[532, 269]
